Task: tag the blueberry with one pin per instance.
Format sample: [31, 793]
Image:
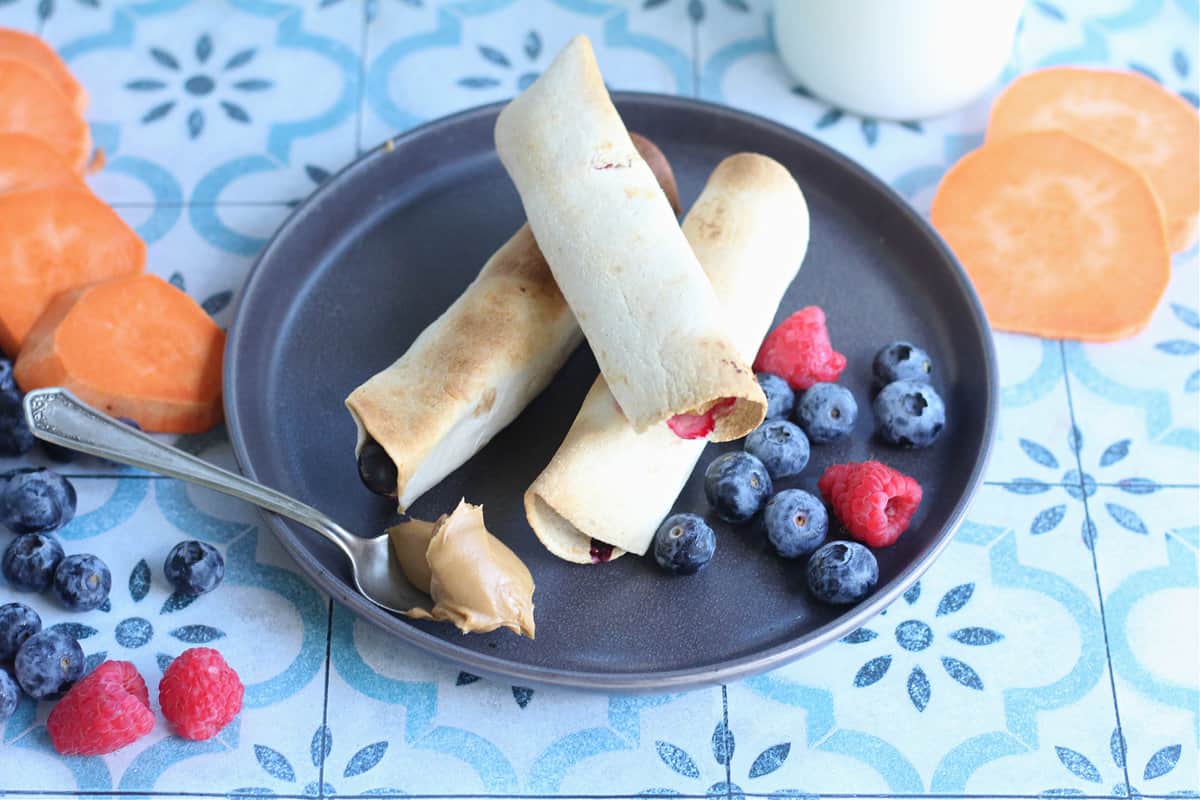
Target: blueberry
[796, 522]
[17, 623]
[376, 469]
[901, 361]
[30, 560]
[10, 395]
[48, 664]
[38, 501]
[194, 567]
[780, 397]
[737, 486]
[781, 446]
[82, 582]
[15, 437]
[909, 413]
[59, 454]
[684, 543]
[826, 411]
[842, 572]
[10, 695]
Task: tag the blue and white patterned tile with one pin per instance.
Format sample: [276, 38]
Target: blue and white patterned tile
[444, 730]
[998, 647]
[1146, 555]
[206, 250]
[267, 621]
[426, 60]
[1152, 36]
[645, 744]
[1144, 390]
[216, 101]
[1034, 438]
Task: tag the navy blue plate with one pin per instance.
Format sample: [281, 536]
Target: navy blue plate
[381, 249]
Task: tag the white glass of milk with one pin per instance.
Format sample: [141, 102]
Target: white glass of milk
[896, 59]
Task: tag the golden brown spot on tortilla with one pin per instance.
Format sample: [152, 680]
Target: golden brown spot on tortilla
[520, 258]
[709, 229]
[485, 403]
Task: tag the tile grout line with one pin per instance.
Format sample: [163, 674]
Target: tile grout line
[1093, 533]
[695, 59]
[192, 204]
[997, 484]
[1098, 484]
[325, 698]
[100, 793]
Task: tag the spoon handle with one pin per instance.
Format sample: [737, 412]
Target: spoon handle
[61, 418]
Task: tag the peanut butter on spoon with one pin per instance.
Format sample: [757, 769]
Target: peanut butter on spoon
[475, 580]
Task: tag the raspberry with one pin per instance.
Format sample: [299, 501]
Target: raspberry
[874, 502]
[199, 693]
[799, 351]
[698, 426]
[105, 711]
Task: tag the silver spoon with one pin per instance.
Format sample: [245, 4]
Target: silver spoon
[61, 418]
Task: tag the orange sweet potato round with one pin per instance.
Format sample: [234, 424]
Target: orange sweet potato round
[31, 103]
[1125, 113]
[27, 162]
[52, 240]
[1060, 238]
[39, 55]
[133, 347]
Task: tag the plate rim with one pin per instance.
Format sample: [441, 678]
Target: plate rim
[642, 681]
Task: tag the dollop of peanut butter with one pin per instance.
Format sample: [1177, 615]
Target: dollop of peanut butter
[410, 540]
[474, 579]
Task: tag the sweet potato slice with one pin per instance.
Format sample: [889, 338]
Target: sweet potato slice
[29, 163]
[52, 240]
[1125, 113]
[31, 103]
[133, 347]
[35, 52]
[1060, 238]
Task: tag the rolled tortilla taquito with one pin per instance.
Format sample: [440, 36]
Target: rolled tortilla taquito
[608, 487]
[477, 366]
[654, 324]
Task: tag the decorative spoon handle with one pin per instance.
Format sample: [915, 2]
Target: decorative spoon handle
[61, 418]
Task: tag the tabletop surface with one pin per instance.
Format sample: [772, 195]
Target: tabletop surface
[1052, 649]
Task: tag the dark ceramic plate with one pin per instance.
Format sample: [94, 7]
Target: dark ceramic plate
[380, 250]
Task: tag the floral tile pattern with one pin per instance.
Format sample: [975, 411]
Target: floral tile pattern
[1052, 650]
[251, 91]
[144, 622]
